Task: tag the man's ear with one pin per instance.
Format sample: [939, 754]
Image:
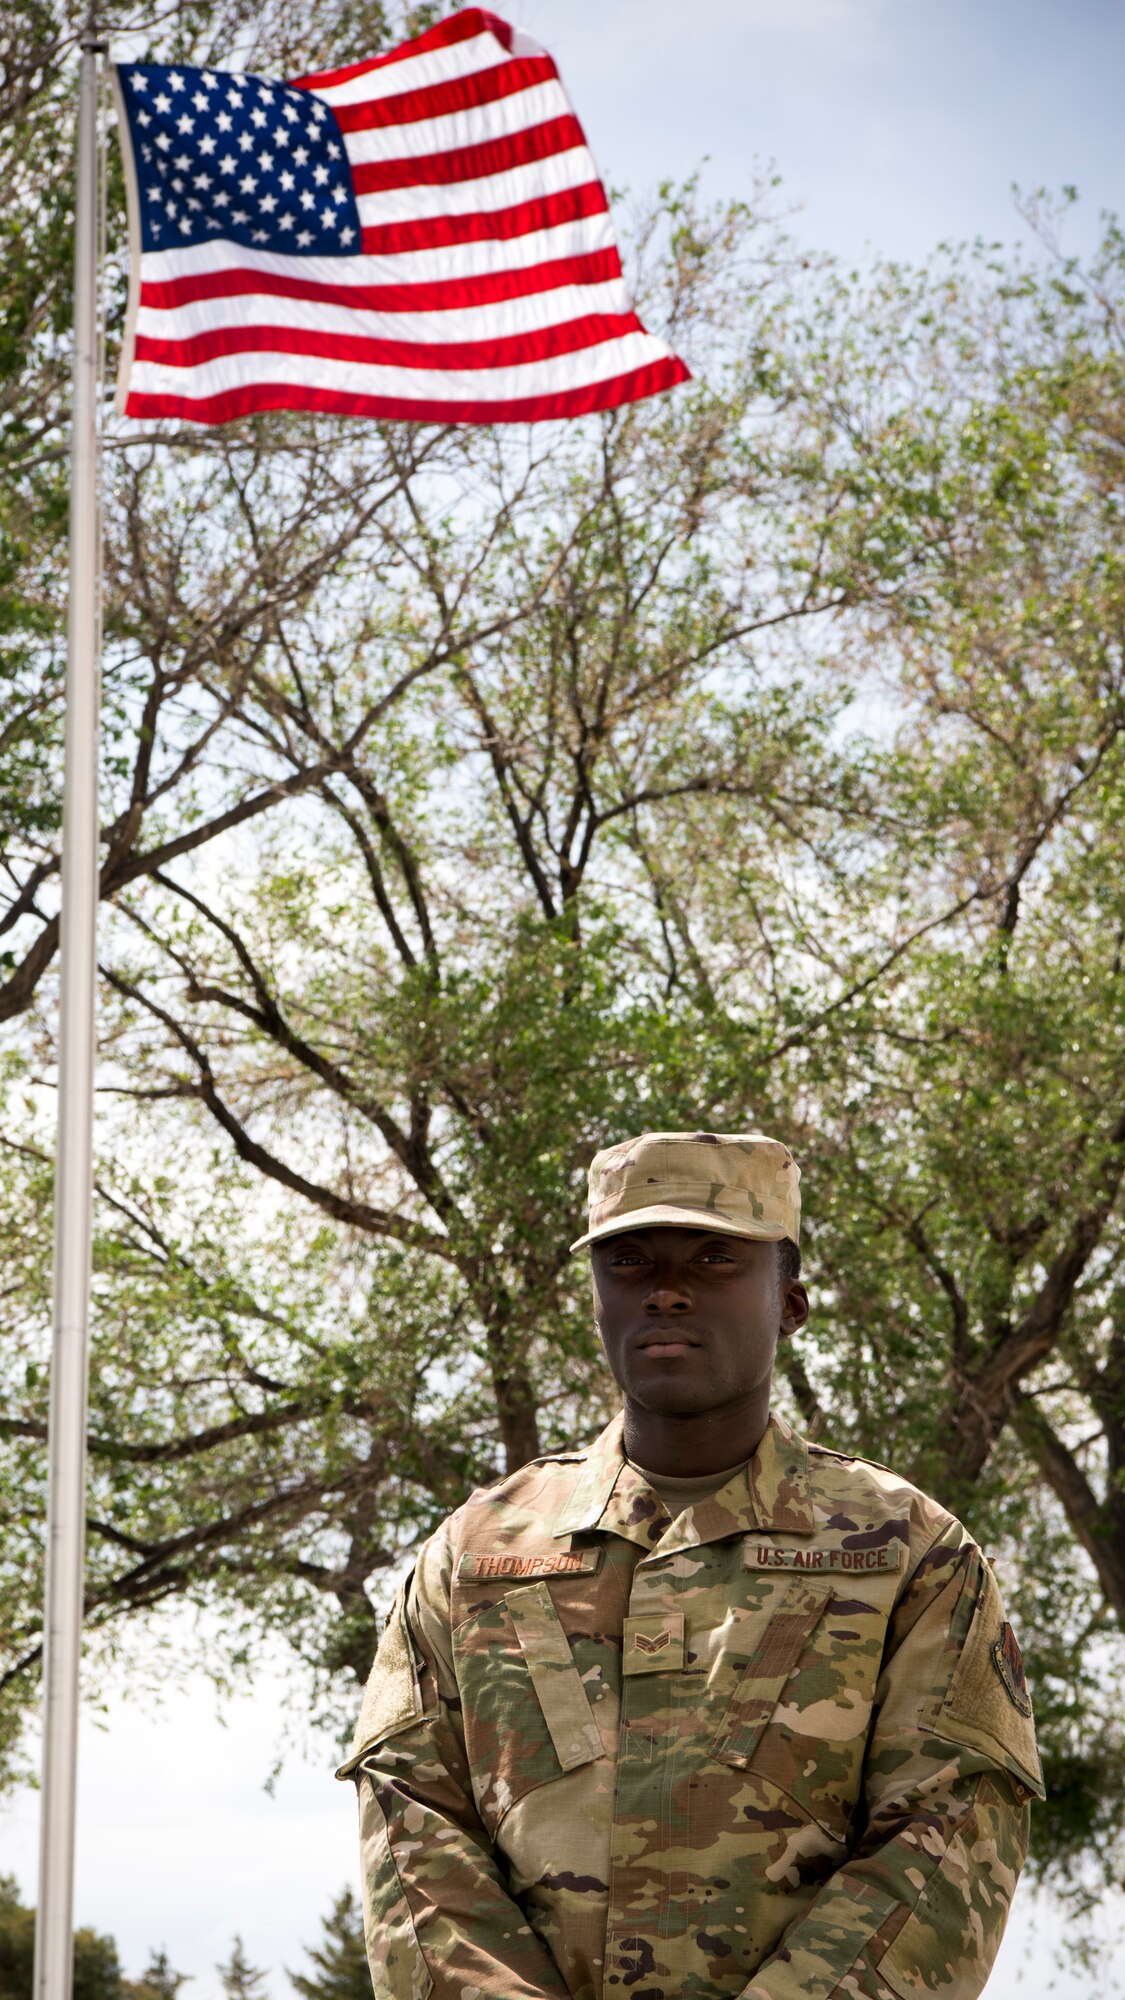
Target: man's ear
[794, 1307]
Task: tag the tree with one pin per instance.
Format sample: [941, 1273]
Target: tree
[241, 1980]
[97, 1969]
[340, 1960]
[158, 1981]
[334, 699]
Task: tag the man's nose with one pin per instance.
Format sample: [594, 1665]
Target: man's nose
[667, 1295]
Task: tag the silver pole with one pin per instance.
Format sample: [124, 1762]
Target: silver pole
[66, 1501]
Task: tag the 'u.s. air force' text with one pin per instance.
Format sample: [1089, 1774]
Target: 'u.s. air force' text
[757, 1555]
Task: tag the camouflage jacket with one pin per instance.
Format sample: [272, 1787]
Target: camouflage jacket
[780, 1747]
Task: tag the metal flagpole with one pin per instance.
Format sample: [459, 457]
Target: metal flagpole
[66, 1502]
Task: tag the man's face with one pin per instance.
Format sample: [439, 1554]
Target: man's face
[689, 1319]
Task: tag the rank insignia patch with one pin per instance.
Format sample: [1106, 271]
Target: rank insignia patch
[1008, 1661]
[653, 1643]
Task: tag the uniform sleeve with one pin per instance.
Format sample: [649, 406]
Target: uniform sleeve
[438, 1917]
[921, 1904]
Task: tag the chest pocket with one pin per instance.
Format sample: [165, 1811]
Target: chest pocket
[800, 1709]
[526, 1713]
[765, 1674]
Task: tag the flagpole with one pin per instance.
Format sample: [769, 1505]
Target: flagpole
[66, 1497]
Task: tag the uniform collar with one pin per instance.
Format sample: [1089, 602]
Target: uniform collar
[772, 1493]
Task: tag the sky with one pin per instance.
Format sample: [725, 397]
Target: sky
[895, 124]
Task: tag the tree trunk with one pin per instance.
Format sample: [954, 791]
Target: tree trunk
[515, 1398]
[1098, 1525]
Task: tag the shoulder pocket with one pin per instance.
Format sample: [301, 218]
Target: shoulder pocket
[526, 1713]
[799, 1714]
[554, 1676]
[766, 1671]
[981, 1699]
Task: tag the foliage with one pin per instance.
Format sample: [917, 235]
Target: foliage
[158, 1981]
[97, 1972]
[240, 1979]
[340, 1960]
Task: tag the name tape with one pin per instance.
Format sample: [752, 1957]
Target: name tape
[888, 1556]
[505, 1562]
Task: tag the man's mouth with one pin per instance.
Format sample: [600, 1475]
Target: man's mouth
[666, 1341]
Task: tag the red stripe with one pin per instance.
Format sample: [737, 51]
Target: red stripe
[437, 232]
[470, 163]
[459, 28]
[493, 23]
[544, 343]
[440, 100]
[233, 403]
[596, 267]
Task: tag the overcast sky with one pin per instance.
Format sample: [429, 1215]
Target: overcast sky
[896, 123]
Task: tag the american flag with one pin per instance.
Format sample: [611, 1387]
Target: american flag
[423, 236]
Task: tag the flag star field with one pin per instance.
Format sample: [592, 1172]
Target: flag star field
[421, 236]
[223, 154]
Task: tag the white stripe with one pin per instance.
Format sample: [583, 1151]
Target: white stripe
[496, 321]
[468, 385]
[588, 233]
[474, 127]
[418, 72]
[422, 203]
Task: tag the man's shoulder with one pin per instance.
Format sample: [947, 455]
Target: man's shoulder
[531, 1492]
[553, 1471]
[858, 1493]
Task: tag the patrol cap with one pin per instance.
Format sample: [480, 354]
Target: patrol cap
[741, 1184]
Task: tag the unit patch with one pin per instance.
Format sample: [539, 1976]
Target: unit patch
[505, 1562]
[1008, 1661]
[761, 1555]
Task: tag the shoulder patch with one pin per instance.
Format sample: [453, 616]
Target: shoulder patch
[1008, 1661]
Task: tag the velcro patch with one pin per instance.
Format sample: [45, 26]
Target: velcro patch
[506, 1562]
[833, 1561]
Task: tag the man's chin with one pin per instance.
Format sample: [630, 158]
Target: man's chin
[664, 1396]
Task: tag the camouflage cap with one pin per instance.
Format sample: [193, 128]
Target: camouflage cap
[743, 1184]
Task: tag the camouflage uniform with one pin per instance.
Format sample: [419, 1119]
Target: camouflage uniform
[779, 1747]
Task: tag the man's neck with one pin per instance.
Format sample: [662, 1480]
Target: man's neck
[686, 1447]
